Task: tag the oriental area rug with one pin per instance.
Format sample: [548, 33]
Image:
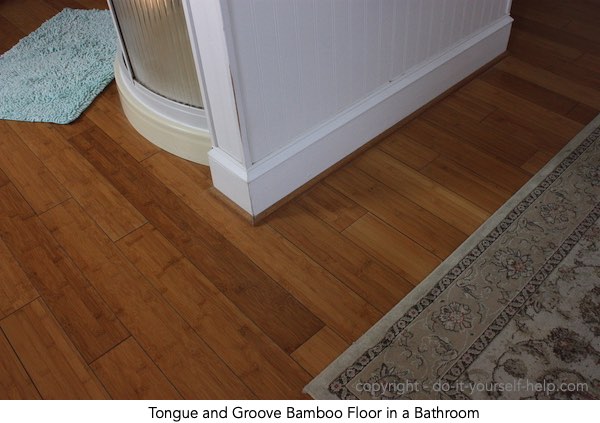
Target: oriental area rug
[514, 313]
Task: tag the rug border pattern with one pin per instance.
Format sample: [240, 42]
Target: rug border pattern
[515, 305]
[362, 352]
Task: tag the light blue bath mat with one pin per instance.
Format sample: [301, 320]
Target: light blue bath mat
[55, 72]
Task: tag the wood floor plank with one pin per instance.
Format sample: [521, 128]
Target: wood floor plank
[58, 5]
[15, 288]
[474, 109]
[128, 373]
[557, 35]
[426, 229]
[320, 350]
[585, 30]
[61, 4]
[3, 178]
[181, 175]
[350, 316]
[529, 90]
[81, 124]
[468, 156]
[545, 17]
[399, 252]
[28, 173]
[583, 114]
[577, 10]
[108, 115]
[27, 15]
[331, 207]
[15, 383]
[574, 72]
[519, 129]
[527, 50]
[530, 49]
[191, 366]
[535, 42]
[527, 110]
[486, 194]
[43, 139]
[86, 318]
[54, 364]
[265, 368]
[433, 197]
[113, 213]
[539, 159]
[551, 81]
[374, 282]
[480, 136]
[9, 35]
[589, 61]
[586, 72]
[408, 151]
[270, 306]
[93, 4]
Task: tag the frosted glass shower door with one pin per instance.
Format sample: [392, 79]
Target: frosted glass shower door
[158, 49]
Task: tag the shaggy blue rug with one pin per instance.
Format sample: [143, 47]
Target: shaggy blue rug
[54, 73]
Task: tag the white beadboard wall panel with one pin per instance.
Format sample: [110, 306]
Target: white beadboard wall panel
[294, 86]
[263, 184]
[299, 63]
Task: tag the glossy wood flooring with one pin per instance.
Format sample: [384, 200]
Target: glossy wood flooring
[123, 275]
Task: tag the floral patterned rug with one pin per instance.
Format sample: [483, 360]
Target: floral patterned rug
[514, 313]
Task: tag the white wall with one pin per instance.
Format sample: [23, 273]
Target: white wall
[301, 73]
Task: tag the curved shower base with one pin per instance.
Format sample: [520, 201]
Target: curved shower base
[178, 129]
[156, 76]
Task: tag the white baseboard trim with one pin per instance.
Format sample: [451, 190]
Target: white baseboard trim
[266, 182]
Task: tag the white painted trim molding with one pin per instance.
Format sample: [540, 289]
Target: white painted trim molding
[264, 183]
[211, 52]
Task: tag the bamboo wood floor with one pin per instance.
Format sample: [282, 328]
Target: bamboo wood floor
[123, 275]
